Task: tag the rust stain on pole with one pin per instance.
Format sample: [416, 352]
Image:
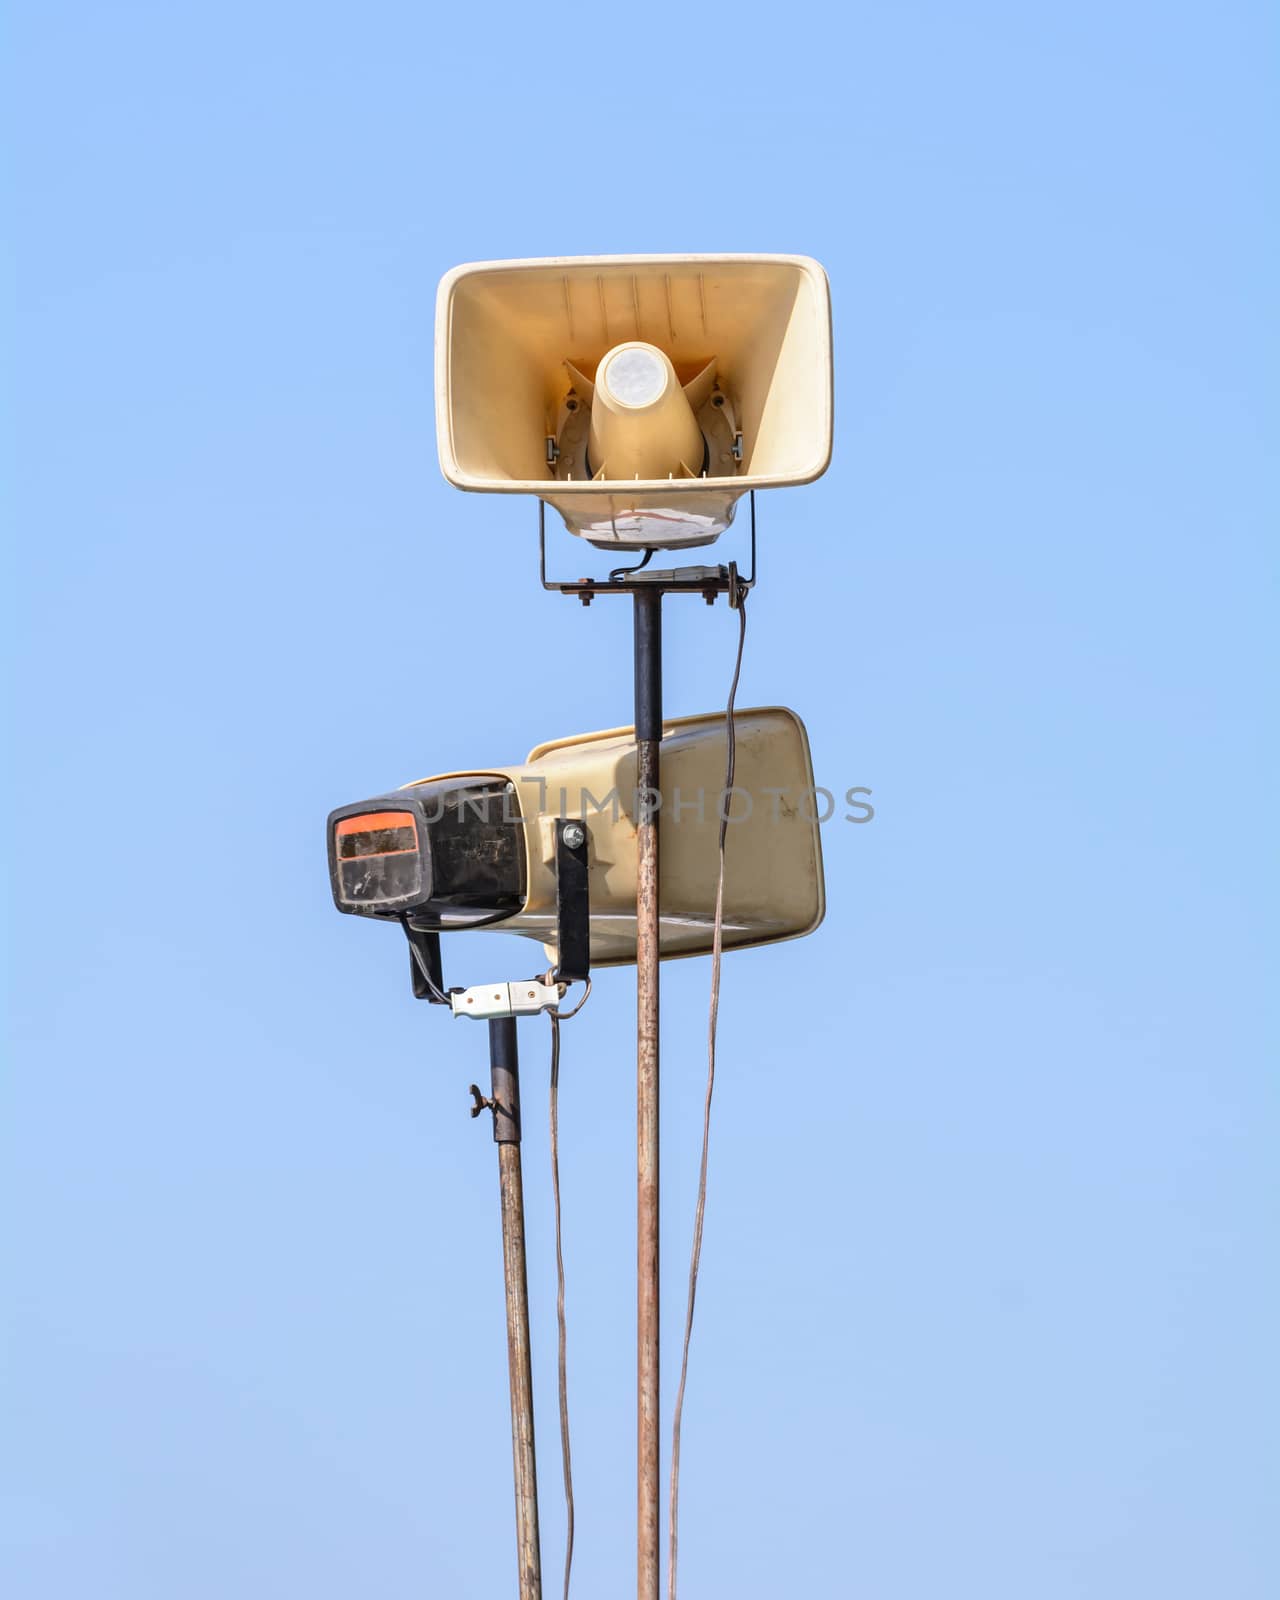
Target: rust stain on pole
[648, 1577]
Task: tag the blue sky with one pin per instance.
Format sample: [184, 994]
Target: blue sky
[988, 1306]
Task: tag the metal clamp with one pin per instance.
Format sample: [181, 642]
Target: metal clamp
[573, 908]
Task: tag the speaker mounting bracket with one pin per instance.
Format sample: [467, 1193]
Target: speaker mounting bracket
[573, 945]
[709, 582]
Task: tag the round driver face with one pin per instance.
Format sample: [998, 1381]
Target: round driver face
[635, 376]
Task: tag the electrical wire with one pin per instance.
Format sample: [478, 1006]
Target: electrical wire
[619, 573]
[717, 942]
[556, 1017]
[432, 989]
[566, 1460]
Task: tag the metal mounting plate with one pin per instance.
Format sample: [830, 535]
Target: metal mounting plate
[706, 581]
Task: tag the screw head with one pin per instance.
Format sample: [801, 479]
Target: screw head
[574, 835]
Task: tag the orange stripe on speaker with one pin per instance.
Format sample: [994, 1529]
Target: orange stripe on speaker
[372, 821]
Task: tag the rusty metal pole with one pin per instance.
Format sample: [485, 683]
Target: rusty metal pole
[504, 1067]
[648, 690]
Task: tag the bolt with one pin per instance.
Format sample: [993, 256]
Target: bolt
[574, 834]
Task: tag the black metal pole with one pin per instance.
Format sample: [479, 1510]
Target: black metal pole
[648, 673]
[504, 1068]
[648, 693]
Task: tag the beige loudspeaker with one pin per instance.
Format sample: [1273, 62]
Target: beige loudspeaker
[773, 857]
[641, 396]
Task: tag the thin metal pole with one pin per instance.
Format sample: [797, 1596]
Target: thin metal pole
[504, 1067]
[648, 689]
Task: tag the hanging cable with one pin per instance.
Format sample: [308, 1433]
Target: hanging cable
[738, 597]
[566, 1460]
[556, 1018]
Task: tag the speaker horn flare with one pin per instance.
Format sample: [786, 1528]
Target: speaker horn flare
[641, 396]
